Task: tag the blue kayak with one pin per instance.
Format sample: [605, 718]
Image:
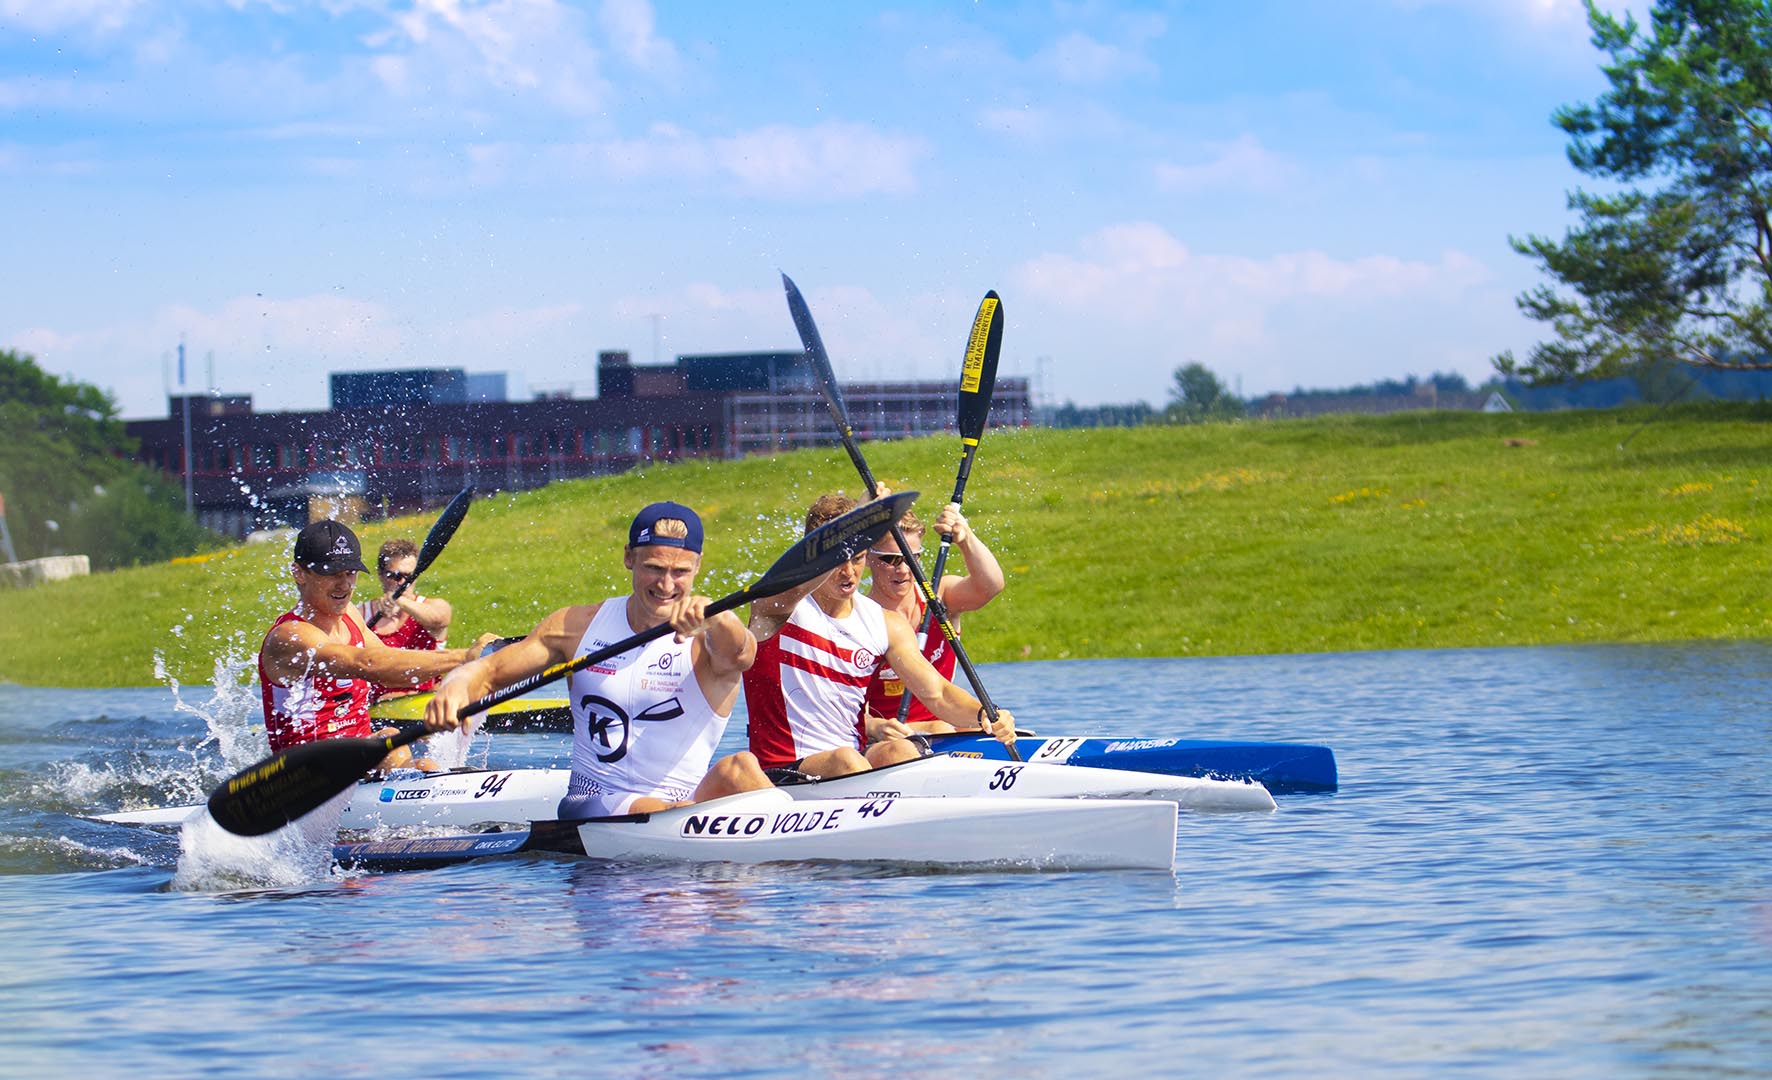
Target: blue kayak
[1280, 767]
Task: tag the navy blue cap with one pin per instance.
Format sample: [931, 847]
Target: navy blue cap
[640, 533]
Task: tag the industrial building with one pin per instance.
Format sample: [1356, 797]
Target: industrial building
[399, 441]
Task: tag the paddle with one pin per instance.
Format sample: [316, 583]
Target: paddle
[283, 787]
[447, 523]
[833, 399]
[978, 379]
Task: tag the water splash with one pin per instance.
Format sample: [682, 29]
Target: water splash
[232, 715]
[211, 859]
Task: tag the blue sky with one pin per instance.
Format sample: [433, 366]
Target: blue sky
[1291, 193]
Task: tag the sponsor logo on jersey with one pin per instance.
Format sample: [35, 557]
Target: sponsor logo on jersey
[609, 726]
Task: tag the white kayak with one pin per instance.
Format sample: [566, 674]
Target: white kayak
[948, 775]
[469, 797]
[772, 826]
[458, 799]
[1007, 832]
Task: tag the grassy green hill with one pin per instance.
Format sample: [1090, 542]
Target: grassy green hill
[1410, 531]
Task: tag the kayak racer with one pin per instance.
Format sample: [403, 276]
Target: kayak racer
[645, 723]
[819, 645]
[895, 589]
[319, 662]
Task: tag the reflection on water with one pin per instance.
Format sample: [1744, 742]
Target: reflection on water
[1541, 861]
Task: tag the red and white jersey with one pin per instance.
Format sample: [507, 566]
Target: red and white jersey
[887, 689]
[640, 723]
[409, 634]
[806, 690]
[316, 707]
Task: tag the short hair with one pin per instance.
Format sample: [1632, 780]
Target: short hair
[909, 525]
[828, 508]
[397, 548]
[675, 528]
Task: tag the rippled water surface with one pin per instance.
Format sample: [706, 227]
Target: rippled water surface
[1547, 862]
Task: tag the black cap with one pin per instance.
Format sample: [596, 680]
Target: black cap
[641, 532]
[328, 547]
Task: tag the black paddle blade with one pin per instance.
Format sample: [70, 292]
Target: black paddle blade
[274, 792]
[447, 522]
[978, 376]
[833, 543]
[814, 346]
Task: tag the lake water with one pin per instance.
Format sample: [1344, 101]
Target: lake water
[1543, 862]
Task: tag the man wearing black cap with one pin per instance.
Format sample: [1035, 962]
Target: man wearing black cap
[319, 662]
[644, 724]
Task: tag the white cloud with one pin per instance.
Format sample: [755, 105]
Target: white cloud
[1240, 165]
[632, 32]
[868, 335]
[832, 160]
[666, 150]
[1078, 58]
[1026, 123]
[1549, 26]
[55, 16]
[1133, 301]
[827, 162]
[278, 349]
[531, 48]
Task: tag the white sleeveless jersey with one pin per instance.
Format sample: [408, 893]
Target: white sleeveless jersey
[640, 724]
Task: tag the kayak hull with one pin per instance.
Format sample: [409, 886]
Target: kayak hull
[469, 797]
[1008, 833]
[771, 827]
[1282, 768]
[953, 776]
[458, 799]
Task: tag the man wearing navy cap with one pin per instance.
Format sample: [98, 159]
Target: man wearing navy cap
[645, 724]
[319, 662]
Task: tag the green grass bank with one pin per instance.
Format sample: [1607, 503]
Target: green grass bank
[1415, 531]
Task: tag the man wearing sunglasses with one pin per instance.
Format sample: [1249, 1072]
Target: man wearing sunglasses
[895, 589]
[319, 661]
[817, 648]
[411, 621]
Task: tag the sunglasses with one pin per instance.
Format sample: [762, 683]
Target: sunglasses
[395, 575]
[891, 558]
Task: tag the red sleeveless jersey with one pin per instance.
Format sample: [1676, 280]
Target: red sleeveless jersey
[410, 634]
[318, 706]
[886, 688]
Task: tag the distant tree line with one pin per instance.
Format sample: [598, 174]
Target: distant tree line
[1197, 395]
[69, 481]
[1450, 383]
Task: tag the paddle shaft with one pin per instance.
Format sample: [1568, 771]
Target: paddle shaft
[833, 399]
[978, 380]
[941, 559]
[375, 620]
